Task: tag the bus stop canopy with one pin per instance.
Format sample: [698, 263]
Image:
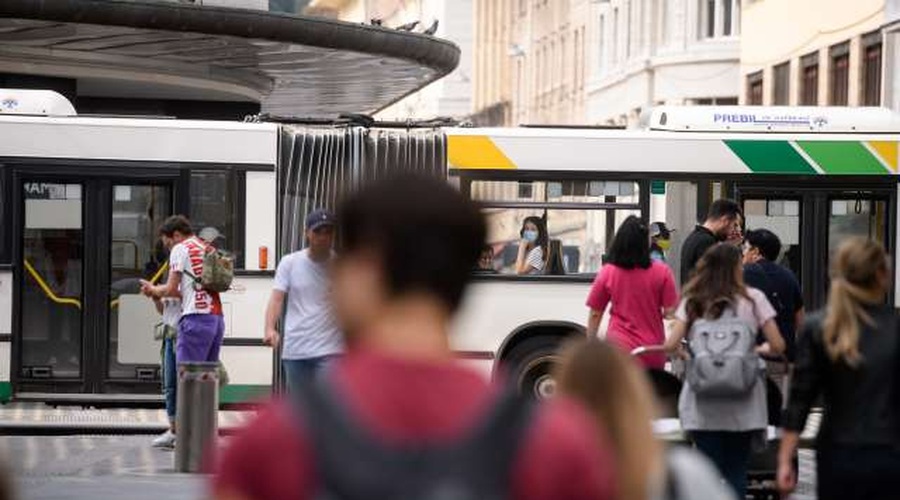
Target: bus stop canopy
[292, 65]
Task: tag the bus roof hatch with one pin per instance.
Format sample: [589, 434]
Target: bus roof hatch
[35, 103]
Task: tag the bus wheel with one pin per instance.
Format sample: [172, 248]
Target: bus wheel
[531, 365]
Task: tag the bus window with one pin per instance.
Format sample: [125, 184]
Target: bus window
[581, 219]
[856, 217]
[782, 217]
[675, 204]
[213, 213]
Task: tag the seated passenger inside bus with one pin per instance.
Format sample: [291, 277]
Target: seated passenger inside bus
[533, 247]
[486, 261]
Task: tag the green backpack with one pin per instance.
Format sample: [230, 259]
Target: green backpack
[218, 271]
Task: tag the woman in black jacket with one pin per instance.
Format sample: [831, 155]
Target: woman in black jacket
[850, 353]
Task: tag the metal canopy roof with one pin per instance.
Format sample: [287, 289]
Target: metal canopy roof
[291, 65]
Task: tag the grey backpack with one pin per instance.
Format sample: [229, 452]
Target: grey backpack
[354, 464]
[723, 361]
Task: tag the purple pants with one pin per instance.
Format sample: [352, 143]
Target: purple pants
[199, 338]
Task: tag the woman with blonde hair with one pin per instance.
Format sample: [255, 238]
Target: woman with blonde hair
[617, 392]
[850, 353]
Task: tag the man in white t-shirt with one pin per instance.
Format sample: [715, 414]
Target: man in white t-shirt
[311, 335]
[202, 326]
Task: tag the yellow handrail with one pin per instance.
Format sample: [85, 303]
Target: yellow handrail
[46, 288]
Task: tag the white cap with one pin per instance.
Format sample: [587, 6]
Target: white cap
[209, 234]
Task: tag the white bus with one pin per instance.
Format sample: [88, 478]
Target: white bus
[81, 198]
[814, 176]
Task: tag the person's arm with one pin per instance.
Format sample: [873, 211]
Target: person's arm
[168, 289]
[679, 330]
[522, 266]
[799, 318]
[804, 390]
[786, 475]
[158, 303]
[598, 299]
[273, 312]
[774, 340]
[593, 323]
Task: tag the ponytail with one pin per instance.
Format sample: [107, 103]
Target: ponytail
[854, 285]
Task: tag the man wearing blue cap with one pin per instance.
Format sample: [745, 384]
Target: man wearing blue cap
[311, 335]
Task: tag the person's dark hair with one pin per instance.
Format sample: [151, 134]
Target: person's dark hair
[715, 284]
[487, 248]
[427, 236]
[720, 208]
[631, 246]
[766, 241]
[556, 265]
[176, 223]
[543, 240]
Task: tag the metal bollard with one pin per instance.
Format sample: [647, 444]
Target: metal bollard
[197, 411]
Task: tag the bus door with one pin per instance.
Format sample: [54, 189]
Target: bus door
[83, 245]
[813, 220]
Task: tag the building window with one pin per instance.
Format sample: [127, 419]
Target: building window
[615, 36]
[755, 89]
[871, 84]
[663, 22]
[782, 88]
[628, 29]
[726, 17]
[523, 8]
[809, 80]
[710, 18]
[840, 75]
[602, 43]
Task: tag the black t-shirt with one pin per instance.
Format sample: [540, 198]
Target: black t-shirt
[783, 291]
[693, 248]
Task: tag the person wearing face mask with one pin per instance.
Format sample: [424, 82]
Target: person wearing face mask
[660, 241]
[532, 257]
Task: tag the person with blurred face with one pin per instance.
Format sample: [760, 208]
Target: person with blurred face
[302, 282]
[660, 241]
[408, 246]
[721, 219]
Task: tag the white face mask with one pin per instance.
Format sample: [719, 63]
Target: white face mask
[530, 236]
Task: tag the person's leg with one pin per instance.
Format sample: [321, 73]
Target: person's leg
[710, 444]
[196, 334]
[170, 380]
[216, 341]
[298, 371]
[736, 448]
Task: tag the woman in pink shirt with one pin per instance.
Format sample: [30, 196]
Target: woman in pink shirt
[642, 292]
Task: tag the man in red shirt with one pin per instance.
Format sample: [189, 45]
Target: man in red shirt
[409, 244]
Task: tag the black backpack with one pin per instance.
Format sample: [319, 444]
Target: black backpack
[352, 464]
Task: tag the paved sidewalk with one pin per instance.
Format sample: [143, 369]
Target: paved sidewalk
[96, 467]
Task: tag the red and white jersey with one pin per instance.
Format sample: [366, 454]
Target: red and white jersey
[188, 256]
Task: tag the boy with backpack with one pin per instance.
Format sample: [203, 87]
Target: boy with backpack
[197, 274]
[398, 417]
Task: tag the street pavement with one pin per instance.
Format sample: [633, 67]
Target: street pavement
[96, 467]
[126, 467]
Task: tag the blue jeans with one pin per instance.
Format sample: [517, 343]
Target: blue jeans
[170, 377]
[730, 451]
[304, 371]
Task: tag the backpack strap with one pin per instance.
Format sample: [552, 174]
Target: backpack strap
[353, 464]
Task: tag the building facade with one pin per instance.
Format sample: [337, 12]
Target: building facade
[531, 61]
[651, 52]
[813, 52]
[602, 62]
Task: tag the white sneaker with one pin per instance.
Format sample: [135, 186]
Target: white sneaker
[165, 440]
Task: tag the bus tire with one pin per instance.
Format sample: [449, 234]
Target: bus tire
[530, 365]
